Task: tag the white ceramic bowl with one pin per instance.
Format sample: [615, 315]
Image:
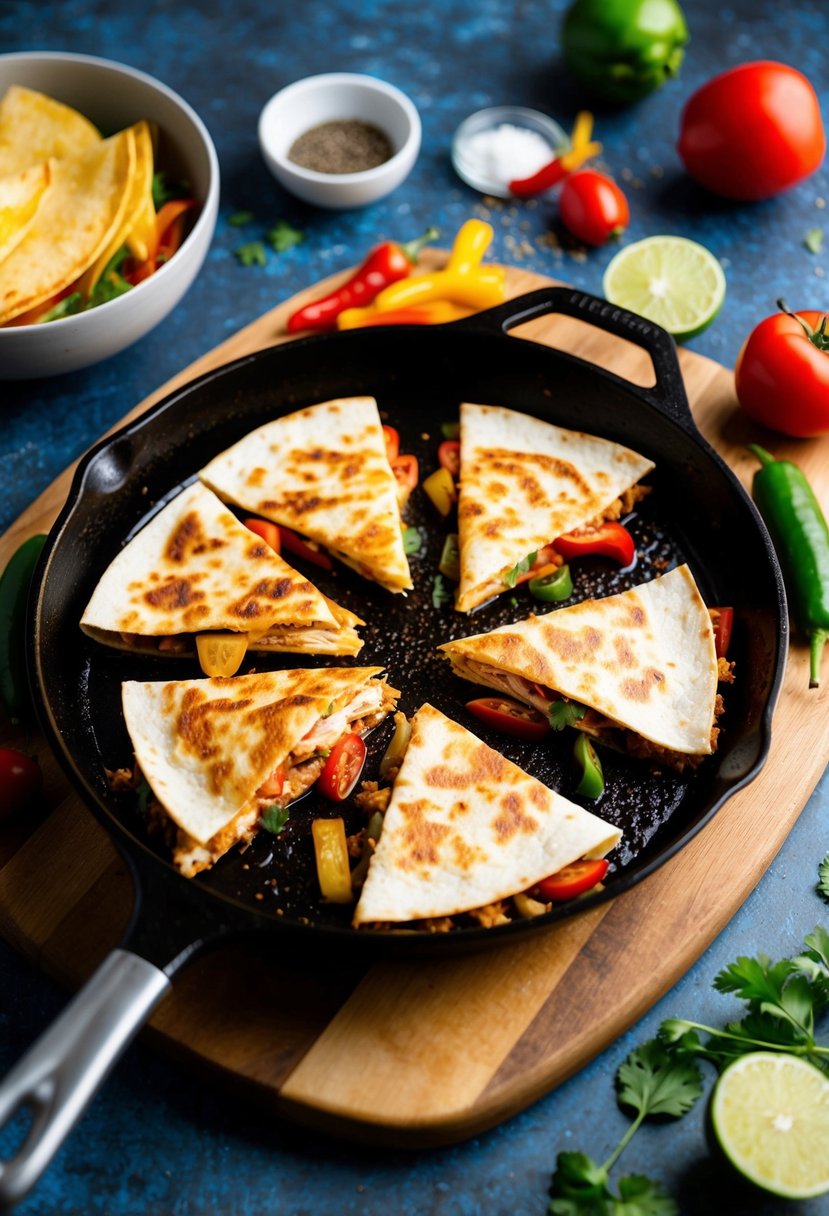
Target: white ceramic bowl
[339, 95]
[113, 96]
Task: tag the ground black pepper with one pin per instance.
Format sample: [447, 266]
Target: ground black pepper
[346, 145]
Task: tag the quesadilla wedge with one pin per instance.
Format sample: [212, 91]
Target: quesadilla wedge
[218, 753]
[196, 568]
[466, 828]
[324, 472]
[638, 669]
[525, 482]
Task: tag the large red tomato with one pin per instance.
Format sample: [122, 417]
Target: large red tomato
[752, 131]
[782, 374]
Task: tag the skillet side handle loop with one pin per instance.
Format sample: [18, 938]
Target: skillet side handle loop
[668, 393]
[62, 1070]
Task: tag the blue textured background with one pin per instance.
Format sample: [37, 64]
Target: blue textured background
[156, 1140]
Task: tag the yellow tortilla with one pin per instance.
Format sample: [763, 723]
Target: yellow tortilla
[133, 222]
[34, 127]
[21, 193]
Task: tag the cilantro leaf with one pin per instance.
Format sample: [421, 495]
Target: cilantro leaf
[440, 592]
[813, 240]
[274, 819]
[578, 1177]
[823, 878]
[511, 577]
[412, 540]
[817, 945]
[641, 1196]
[450, 430]
[564, 713]
[143, 794]
[164, 189]
[283, 236]
[67, 307]
[755, 979]
[654, 1082]
[252, 254]
[239, 218]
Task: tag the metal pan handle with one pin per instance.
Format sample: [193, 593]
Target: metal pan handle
[62, 1070]
[668, 394]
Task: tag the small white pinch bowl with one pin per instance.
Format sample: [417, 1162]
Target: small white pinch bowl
[113, 96]
[339, 95]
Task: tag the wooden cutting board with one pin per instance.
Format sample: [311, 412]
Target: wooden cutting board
[430, 1052]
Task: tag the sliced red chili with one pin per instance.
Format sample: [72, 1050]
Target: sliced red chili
[268, 531]
[510, 717]
[342, 769]
[573, 880]
[722, 620]
[392, 438]
[608, 540]
[292, 543]
[406, 471]
[449, 456]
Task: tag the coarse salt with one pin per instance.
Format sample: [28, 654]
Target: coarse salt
[506, 152]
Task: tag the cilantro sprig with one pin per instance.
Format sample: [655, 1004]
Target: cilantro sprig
[274, 819]
[823, 878]
[651, 1082]
[562, 714]
[526, 563]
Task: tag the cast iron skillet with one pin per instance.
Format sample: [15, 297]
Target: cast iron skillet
[697, 512]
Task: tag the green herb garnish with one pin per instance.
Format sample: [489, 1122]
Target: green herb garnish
[823, 877]
[564, 713]
[252, 254]
[526, 563]
[440, 592]
[67, 307]
[283, 236]
[813, 240]
[450, 430]
[412, 540]
[240, 218]
[142, 795]
[163, 189]
[274, 819]
[111, 284]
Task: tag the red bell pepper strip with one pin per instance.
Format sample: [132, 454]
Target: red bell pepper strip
[384, 265]
[722, 621]
[609, 540]
[307, 549]
[267, 530]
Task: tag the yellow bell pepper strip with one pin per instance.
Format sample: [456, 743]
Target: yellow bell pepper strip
[434, 313]
[331, 853]
[581, 149]
[462, 280]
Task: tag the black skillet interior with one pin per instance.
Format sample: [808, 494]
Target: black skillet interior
[696, 512]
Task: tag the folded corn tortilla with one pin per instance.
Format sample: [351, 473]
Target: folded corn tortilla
[34, 127]
[466, 827]
[323, 471]
[524, 482]
[195, 568]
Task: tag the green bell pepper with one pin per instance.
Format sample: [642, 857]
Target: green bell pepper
[591, 784]
[621, 50]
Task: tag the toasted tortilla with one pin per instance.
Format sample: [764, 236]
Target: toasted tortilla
[524, 482]
[466, 827]
[206, 746]
[74, 225]
[645, 659]
[34, 127]
[132, 226]
[21, 193]
[323, 471]
[195, 567]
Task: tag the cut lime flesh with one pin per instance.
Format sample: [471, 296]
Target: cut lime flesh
[770, 1114]
[674, 282]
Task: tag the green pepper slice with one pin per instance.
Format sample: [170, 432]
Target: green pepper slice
[621, 50]
[14, 596]
[591, 784]
[554, 587]
[450, 559]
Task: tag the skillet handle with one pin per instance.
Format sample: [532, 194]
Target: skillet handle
[667, 394]
[62, 1070]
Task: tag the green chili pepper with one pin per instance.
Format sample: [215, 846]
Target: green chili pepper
[624, 49]
[450, 558]
[553, 587]
[800, 534]
[592, 777]
[14, 594]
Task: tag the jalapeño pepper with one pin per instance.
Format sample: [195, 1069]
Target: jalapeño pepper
[591, 784]
[800, 534]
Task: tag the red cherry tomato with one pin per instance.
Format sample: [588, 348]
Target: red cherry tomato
[292, 543]
[510, 717]
[449, 456]
[392, 438]
[342, 769]
[593, 207]
[608, 540]
[268, 531]
[20, 781]
[782, 374]
[722, 620]
[572, 880]
[752, 131]
[405, 470]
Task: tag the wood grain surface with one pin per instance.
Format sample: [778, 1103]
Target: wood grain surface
[429, 1052]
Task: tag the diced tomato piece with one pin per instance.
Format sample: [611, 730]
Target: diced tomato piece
[267, 529]
[511, 717]
[449, 456]
[722, 620]
[405, 470]
[608, 540]
[573, 880]
[342, 769]
[392, 438]
[273, 787]
[293, 543]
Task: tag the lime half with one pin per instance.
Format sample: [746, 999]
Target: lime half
[672, 281]
[770, 1114]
